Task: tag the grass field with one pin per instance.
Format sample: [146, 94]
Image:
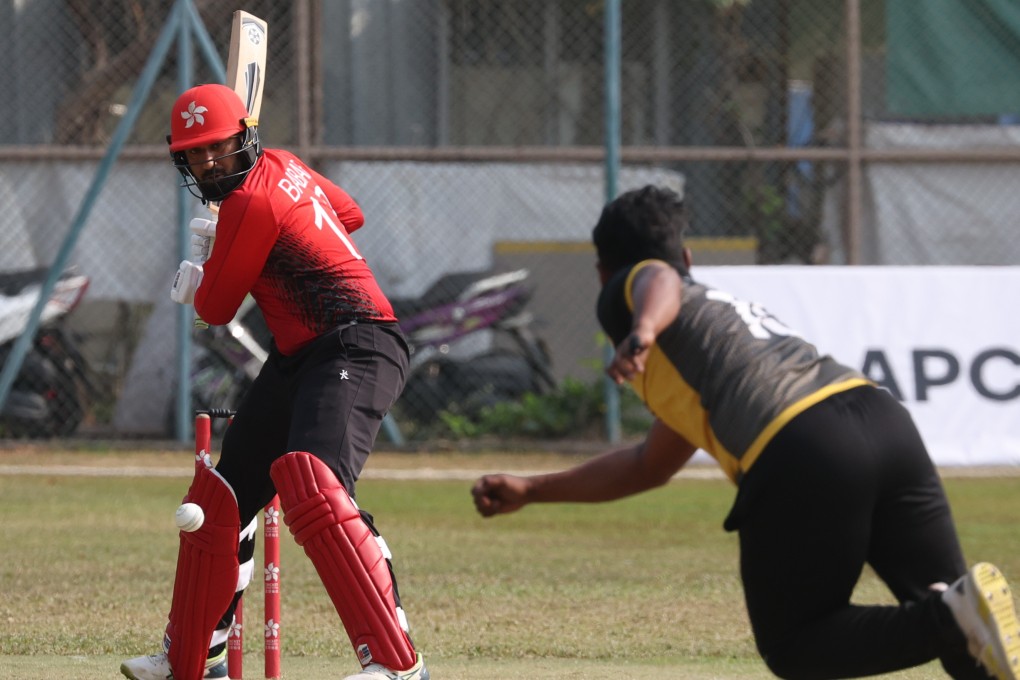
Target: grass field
[645, 587]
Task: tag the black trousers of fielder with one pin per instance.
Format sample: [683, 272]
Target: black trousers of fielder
[848, 483]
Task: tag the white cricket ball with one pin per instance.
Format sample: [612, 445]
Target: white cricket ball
[189, 517]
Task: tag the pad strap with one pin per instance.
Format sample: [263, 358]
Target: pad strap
[207, 575]
[246, 570]
[328, 525]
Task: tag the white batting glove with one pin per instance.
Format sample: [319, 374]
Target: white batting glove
[186, 282]
[203, 235]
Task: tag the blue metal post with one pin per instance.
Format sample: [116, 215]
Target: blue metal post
[612, 169]
[185, 316]
[205, 41]
[141, 92]
[191, 26]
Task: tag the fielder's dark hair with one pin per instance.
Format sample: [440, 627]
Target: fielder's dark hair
[639, 225]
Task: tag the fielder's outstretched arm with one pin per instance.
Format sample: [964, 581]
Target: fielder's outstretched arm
[612, 475]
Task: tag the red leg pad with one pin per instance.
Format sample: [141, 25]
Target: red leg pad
[325, 521]
[207, 571]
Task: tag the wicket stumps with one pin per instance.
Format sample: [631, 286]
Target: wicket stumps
[271, 567]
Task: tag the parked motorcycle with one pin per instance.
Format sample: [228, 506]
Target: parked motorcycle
[454, 307]
[48, 396]
[441, 376]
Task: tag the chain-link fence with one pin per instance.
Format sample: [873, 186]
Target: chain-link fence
[471, 132]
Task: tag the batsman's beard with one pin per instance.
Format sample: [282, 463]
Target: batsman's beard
[217, 188]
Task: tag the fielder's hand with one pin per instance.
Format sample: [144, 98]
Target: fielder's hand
[203, 235]
[498, 494]
[630, 357]
[186, 282]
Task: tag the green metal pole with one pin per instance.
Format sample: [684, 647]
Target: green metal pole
[141, 92]
[612, 170]
[191, 26]
[185, 317]
[205, 41]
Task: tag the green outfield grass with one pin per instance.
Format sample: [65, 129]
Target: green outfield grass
[643, 587]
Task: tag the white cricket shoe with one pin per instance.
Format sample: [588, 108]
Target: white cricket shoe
[374, 671]
[157, 667]
[982, 605]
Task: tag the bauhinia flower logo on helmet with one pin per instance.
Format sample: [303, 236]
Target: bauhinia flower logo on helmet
[194, 115]
[207, 119]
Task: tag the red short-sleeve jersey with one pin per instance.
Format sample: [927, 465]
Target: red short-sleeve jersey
[284, 237]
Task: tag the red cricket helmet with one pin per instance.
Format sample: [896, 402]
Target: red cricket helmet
[205, 115]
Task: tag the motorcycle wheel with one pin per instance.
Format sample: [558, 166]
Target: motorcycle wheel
[465, 386]
[47, 380]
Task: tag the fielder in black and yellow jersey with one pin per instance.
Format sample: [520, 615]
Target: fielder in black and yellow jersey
[830, 470]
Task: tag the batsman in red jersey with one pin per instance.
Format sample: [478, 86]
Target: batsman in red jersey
[306, 427]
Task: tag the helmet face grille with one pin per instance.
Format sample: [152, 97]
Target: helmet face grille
[217, 190]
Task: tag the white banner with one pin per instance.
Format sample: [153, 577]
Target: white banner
[944, 340]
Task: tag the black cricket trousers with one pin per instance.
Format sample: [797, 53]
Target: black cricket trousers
[328, 399]
[846, 483]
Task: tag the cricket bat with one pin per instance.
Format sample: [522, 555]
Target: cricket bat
[246, 73]
[246, 62]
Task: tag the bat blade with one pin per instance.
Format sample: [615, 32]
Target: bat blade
[246, 63]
